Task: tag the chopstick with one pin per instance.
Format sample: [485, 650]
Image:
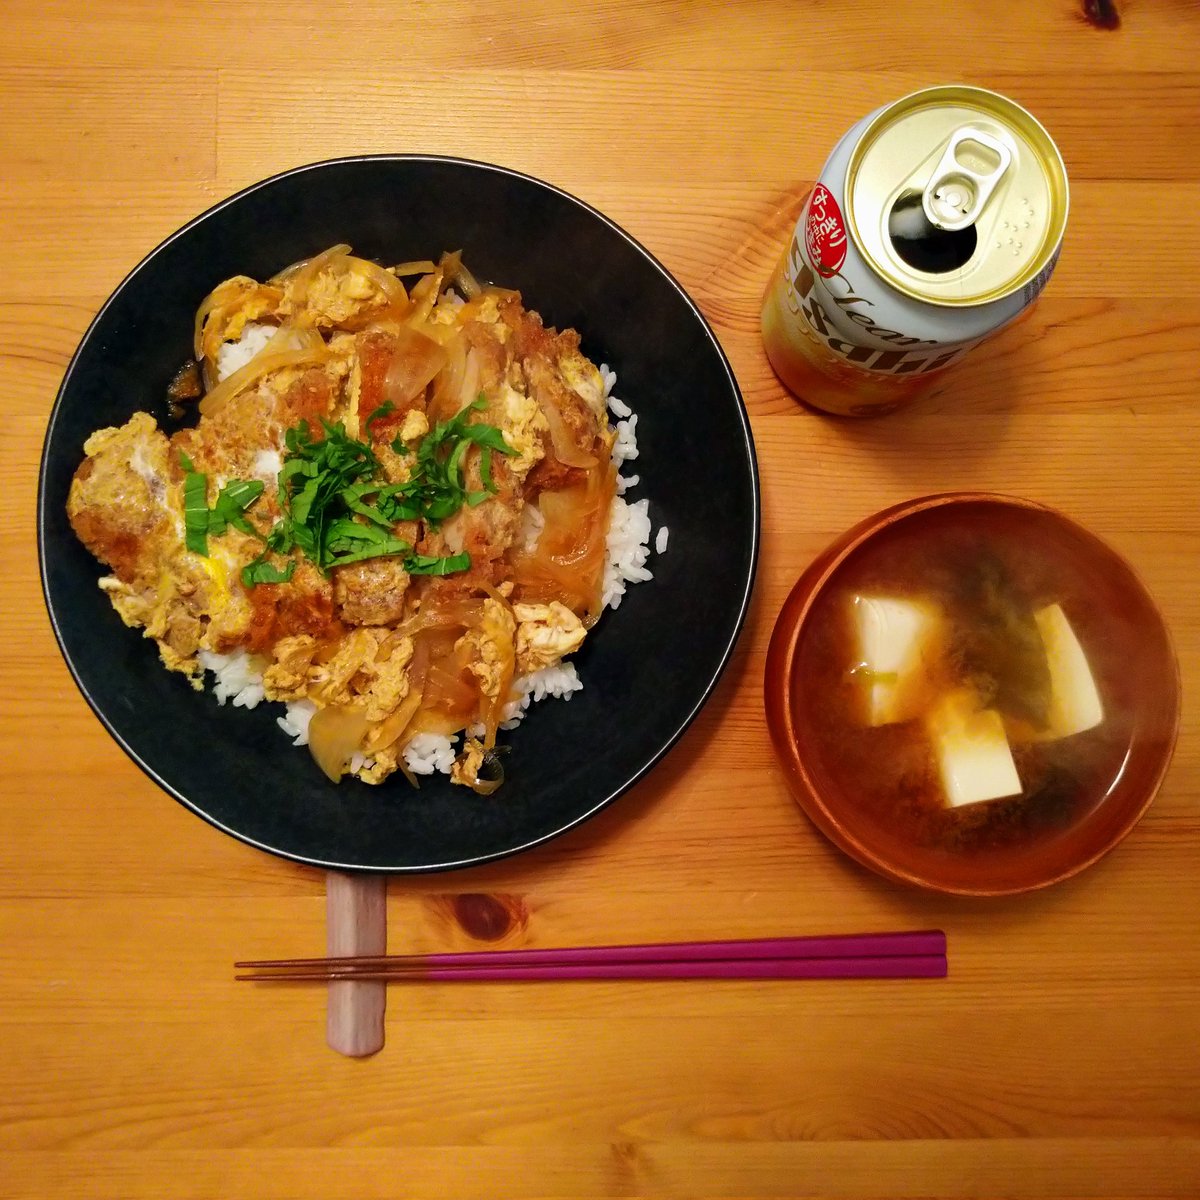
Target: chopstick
[845, 956]
[902, 966]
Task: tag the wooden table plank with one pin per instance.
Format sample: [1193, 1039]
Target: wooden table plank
[867, 36]
[1059, 1169]
[1058, 1059]
[706, 234]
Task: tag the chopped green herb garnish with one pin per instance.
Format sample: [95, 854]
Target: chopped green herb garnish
[230, 509]
[384, 410]
[261, 571]
[485, 469]
[199, 522]
[195, 506]
[437, 482]
[337, 510]
[427, 564]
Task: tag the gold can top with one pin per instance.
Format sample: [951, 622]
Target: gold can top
[957, 196]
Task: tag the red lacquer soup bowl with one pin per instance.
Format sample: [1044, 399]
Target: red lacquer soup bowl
[972, 693]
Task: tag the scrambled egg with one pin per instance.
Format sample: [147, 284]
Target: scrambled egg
[583, 377]
[230, 308]
[466, 769]
[546, 634]
[333, 298]
[415, 427]
[488, 648]
[525, 428]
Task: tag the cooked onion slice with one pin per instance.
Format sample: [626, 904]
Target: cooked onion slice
[445, 401]
[207, 305]
[449, 693]
[424, 266]
[335, 735]
[495, 768]
[566, 449]
[446, 615]
[469, 388]
[301, 274]
[383, 279]
[458, 276]
[567, 564]
[428, 721]
[393, 727]
[417, 360]
[338, 261]
[424, 296]
[290, 347]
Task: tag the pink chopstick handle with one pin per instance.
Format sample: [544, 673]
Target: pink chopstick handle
[860, 945]
[896, 967]
[356, 923]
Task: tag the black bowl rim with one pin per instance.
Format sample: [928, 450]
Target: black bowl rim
[685, 722]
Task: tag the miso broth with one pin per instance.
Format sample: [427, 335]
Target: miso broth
[979, 595]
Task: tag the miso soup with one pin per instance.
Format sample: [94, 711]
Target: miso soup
[958, 682]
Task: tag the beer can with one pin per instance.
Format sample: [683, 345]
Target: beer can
[935, 223]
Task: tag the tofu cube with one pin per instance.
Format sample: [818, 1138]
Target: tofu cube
[893, 636]
[971, 751]
[1074, 701]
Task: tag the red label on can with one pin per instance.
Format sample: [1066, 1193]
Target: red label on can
[824, 232]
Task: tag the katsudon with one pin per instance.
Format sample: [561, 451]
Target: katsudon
[398, 512]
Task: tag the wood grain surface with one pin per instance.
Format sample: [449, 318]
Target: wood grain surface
[1062, 1057]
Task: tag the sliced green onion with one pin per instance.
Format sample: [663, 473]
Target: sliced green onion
[336, 510]
[195, 507]
[428, 564]
[232, 502]
[261, 571]
[384, 410]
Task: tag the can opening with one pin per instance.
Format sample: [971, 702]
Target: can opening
[921, 244]
[982, 169]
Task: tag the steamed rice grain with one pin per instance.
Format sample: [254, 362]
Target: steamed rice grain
[238, 677]
[233, 356]
[429, 753]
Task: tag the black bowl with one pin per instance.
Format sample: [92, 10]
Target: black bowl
[650, 665]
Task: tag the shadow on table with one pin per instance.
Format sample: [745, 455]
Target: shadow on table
[592, 838]
[947, 438]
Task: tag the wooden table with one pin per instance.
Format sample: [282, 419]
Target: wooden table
[1062, 1058]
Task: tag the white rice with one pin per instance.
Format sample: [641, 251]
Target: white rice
[295, 722]
[233, 356]
[267, 465]
[429, 752]
[628, 549]
[532, 524]
[238, 676]
[619, 407]
[625, 447]
[559, 682]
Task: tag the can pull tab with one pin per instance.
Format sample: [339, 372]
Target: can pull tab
[971, 166]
